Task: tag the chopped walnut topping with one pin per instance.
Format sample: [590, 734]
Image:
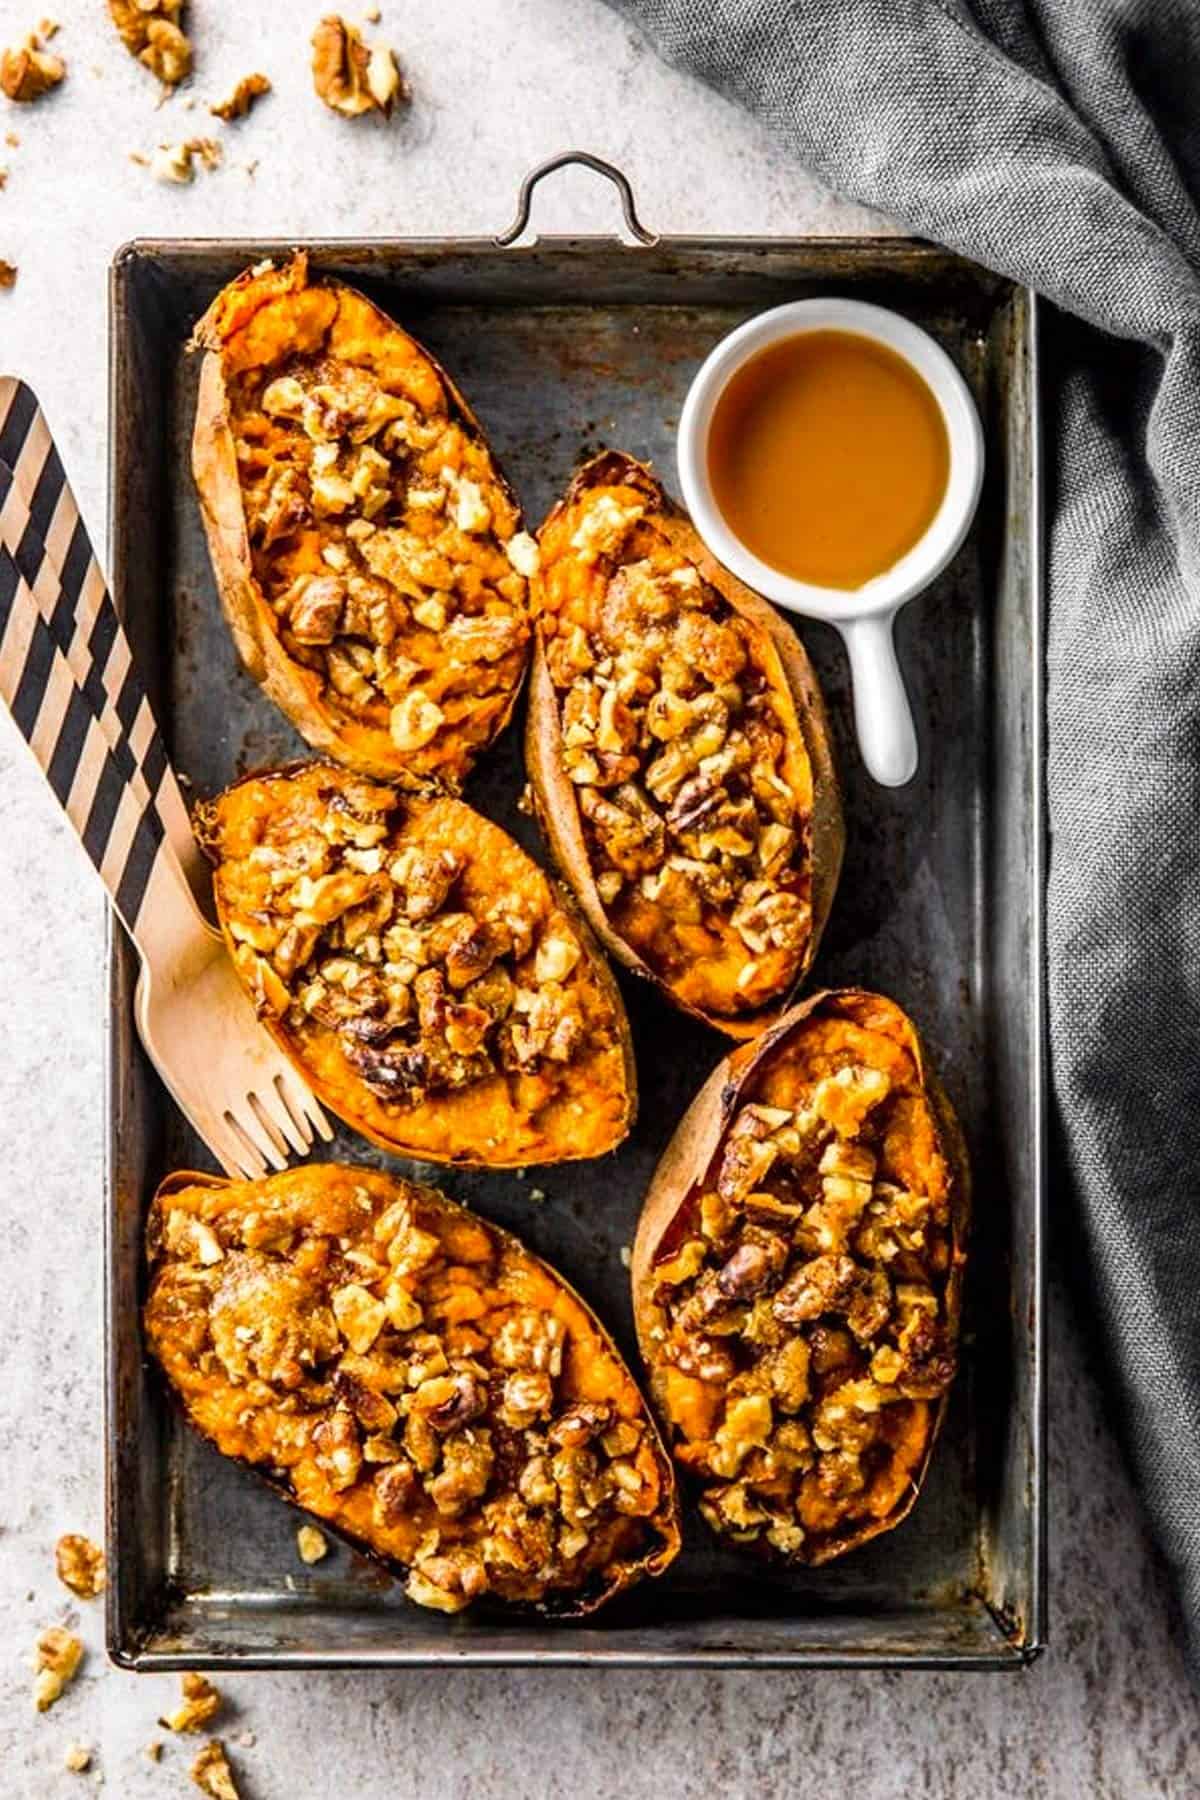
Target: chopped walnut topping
[28, 70]
[460, 1444]
[212, 1774]
[312, 1544]
[806, 1289]
[340, 925]
[59, 1653]
[692, 780]
[151, 31]
[242, 98]
[201, 1702]
[352, 77]
[79, 1565]
[78, 1759]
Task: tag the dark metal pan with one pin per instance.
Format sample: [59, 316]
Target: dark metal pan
[563, 345]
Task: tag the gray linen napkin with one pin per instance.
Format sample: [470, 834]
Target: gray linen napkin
[1058, 141]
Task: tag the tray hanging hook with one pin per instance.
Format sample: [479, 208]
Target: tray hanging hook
[585, 158]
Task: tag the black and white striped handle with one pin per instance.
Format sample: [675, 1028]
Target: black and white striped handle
[41, 525]
[75, 729]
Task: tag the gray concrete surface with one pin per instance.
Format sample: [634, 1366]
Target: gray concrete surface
[498, 84]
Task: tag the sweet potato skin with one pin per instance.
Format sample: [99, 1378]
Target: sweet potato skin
[689, 1159]
[593, 1364]
[554, 795]
[293, 688]
[481, 1126]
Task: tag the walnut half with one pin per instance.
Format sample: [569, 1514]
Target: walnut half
[351, 76]
[28, 70]
[151, 31]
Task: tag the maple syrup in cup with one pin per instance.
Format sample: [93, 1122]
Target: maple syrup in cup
[828, 456]
[831, 456]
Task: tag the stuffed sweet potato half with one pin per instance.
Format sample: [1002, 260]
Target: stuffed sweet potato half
[368, 553]
[797, 1278]
[678, 752]
[415, 1378]
[430, 983]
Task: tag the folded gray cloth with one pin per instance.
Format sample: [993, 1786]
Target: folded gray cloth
[1058, 141]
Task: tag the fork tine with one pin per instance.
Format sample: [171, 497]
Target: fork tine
[291, 1101]
[275, 1118]
[230, 1149]
[304, 1106]
[247, 1125]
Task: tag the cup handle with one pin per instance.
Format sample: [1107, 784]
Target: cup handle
[887, 738]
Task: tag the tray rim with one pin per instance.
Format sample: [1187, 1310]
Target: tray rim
[122, 1646]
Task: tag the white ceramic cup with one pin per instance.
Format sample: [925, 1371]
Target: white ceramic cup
[864, 616]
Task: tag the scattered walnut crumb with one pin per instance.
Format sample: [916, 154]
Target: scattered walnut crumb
[58, 1656]
[27, 71]
[177, 162]
[239, 102]
[79, 1565]
[3, 177]
[12, 140]
[8, 274]
[352, 77]
[372, 15]
[247, 1740]
[47, 28]
[311, 1543]
[153, 1750]
[537, 1195]
[211, 1772]
[78, 1760]
[201, 1702]
[626, 1256]
[151, 31]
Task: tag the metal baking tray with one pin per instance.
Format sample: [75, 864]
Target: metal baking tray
[563, 345]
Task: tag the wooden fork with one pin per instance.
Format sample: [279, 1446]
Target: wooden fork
[67, 675]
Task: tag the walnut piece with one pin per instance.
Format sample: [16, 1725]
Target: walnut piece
[201, 1702]
[79, 1564]
[212, 1774]
[312, 1544]
[151, 31]
[242, 98]
[78, 1759]
[58, 1657]
[8, 274]
[176, 162]
[27, 71]
[349, 75]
